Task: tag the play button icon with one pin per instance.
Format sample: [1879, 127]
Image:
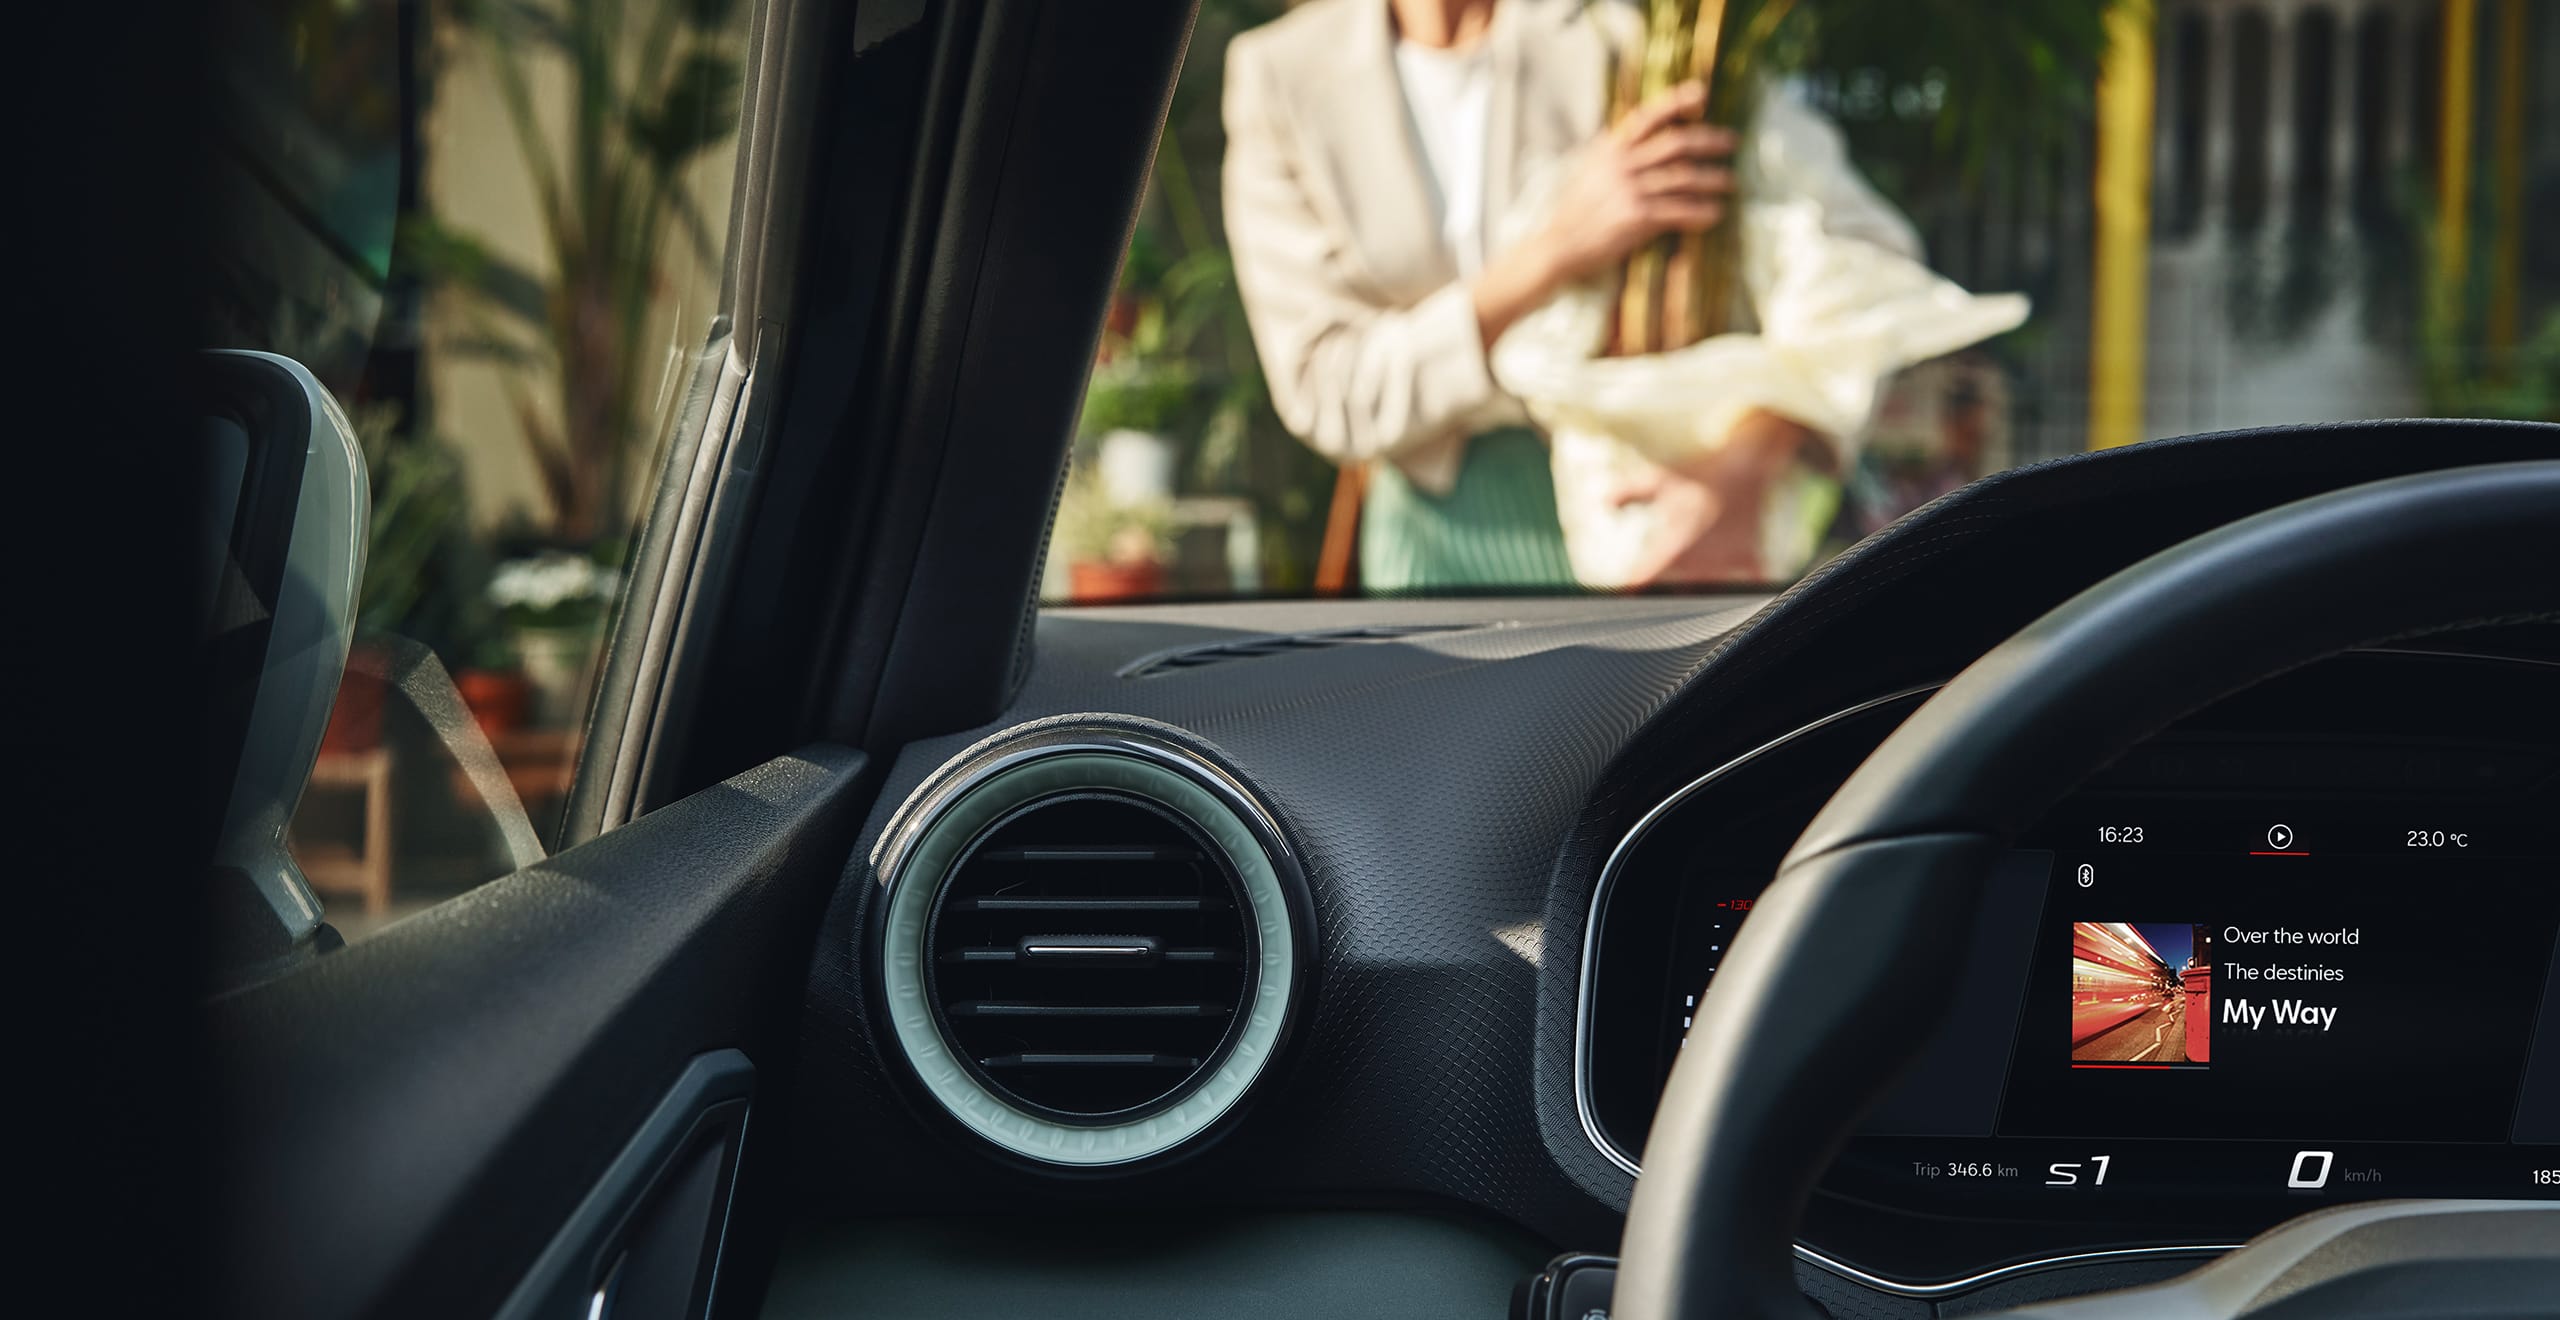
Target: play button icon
[2280, 837]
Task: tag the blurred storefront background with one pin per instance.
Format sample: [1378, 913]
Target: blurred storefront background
[2244, 212]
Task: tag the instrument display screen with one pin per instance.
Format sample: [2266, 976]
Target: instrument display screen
[2302, 949]
[2336, 980]
[2235, 1018]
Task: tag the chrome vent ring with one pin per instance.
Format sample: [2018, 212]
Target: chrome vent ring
[1088, 947]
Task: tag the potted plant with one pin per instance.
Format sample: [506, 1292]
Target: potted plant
[1146, 388]
[417, 498]
[495, 689]
[554, 603]
[1113, 551]
[1134, 407]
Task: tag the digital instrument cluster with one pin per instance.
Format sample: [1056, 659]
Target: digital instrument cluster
[2261, 965]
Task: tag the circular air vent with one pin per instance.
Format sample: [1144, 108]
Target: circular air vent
[1088, 950]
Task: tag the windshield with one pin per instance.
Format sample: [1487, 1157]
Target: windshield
[1448, 296]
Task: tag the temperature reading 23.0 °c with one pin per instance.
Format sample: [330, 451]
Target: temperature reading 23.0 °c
[2439, 839]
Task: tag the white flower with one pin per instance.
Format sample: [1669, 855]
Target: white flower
[548, 581]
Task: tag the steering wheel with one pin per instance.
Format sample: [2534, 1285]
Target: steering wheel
[1810, 1018]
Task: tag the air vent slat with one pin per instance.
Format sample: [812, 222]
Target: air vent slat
[1006, 955]
[1098, 853]
[1089, 1060]
[1020, 1010]
[1082, 903]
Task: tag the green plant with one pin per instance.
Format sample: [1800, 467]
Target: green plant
[1139, 394]
[418, 502]
[1178, 304]
[1091, 529]
[652, 86]
[1150, 374]
[555, 589]
[2006, 86]
[2464, 378]
[2464, 368]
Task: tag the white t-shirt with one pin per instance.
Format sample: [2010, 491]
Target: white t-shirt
[1448, 100]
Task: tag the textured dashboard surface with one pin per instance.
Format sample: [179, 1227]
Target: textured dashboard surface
[1452, 794]
[1426, 783]
[1379, 1265]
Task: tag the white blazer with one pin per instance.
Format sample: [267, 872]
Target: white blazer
[1366, 334]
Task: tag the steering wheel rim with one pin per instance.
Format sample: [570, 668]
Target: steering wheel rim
[1810, 1018]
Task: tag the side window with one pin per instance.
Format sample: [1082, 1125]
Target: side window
[495, 231]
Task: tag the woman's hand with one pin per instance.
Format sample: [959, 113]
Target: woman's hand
[1655, 171]
[1711, 511]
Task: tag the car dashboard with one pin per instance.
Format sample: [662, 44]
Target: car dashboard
[1428, 933]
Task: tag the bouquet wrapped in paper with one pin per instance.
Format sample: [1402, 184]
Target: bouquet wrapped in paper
[1803, 302]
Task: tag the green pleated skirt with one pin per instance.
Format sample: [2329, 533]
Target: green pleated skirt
[1496, 528]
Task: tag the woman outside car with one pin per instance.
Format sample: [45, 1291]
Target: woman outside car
[1378, 153]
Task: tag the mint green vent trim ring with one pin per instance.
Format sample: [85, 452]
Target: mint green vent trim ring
[918, 875]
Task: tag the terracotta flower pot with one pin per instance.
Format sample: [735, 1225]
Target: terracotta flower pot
[355, 721]
[556, 663]
[498, 698]
[1095, 581]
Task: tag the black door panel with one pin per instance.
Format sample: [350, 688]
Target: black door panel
[646, 1243]
[406, 1125]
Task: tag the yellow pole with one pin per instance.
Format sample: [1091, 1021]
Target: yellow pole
[2506, 189]
[2453, 160]
[2120, 285]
